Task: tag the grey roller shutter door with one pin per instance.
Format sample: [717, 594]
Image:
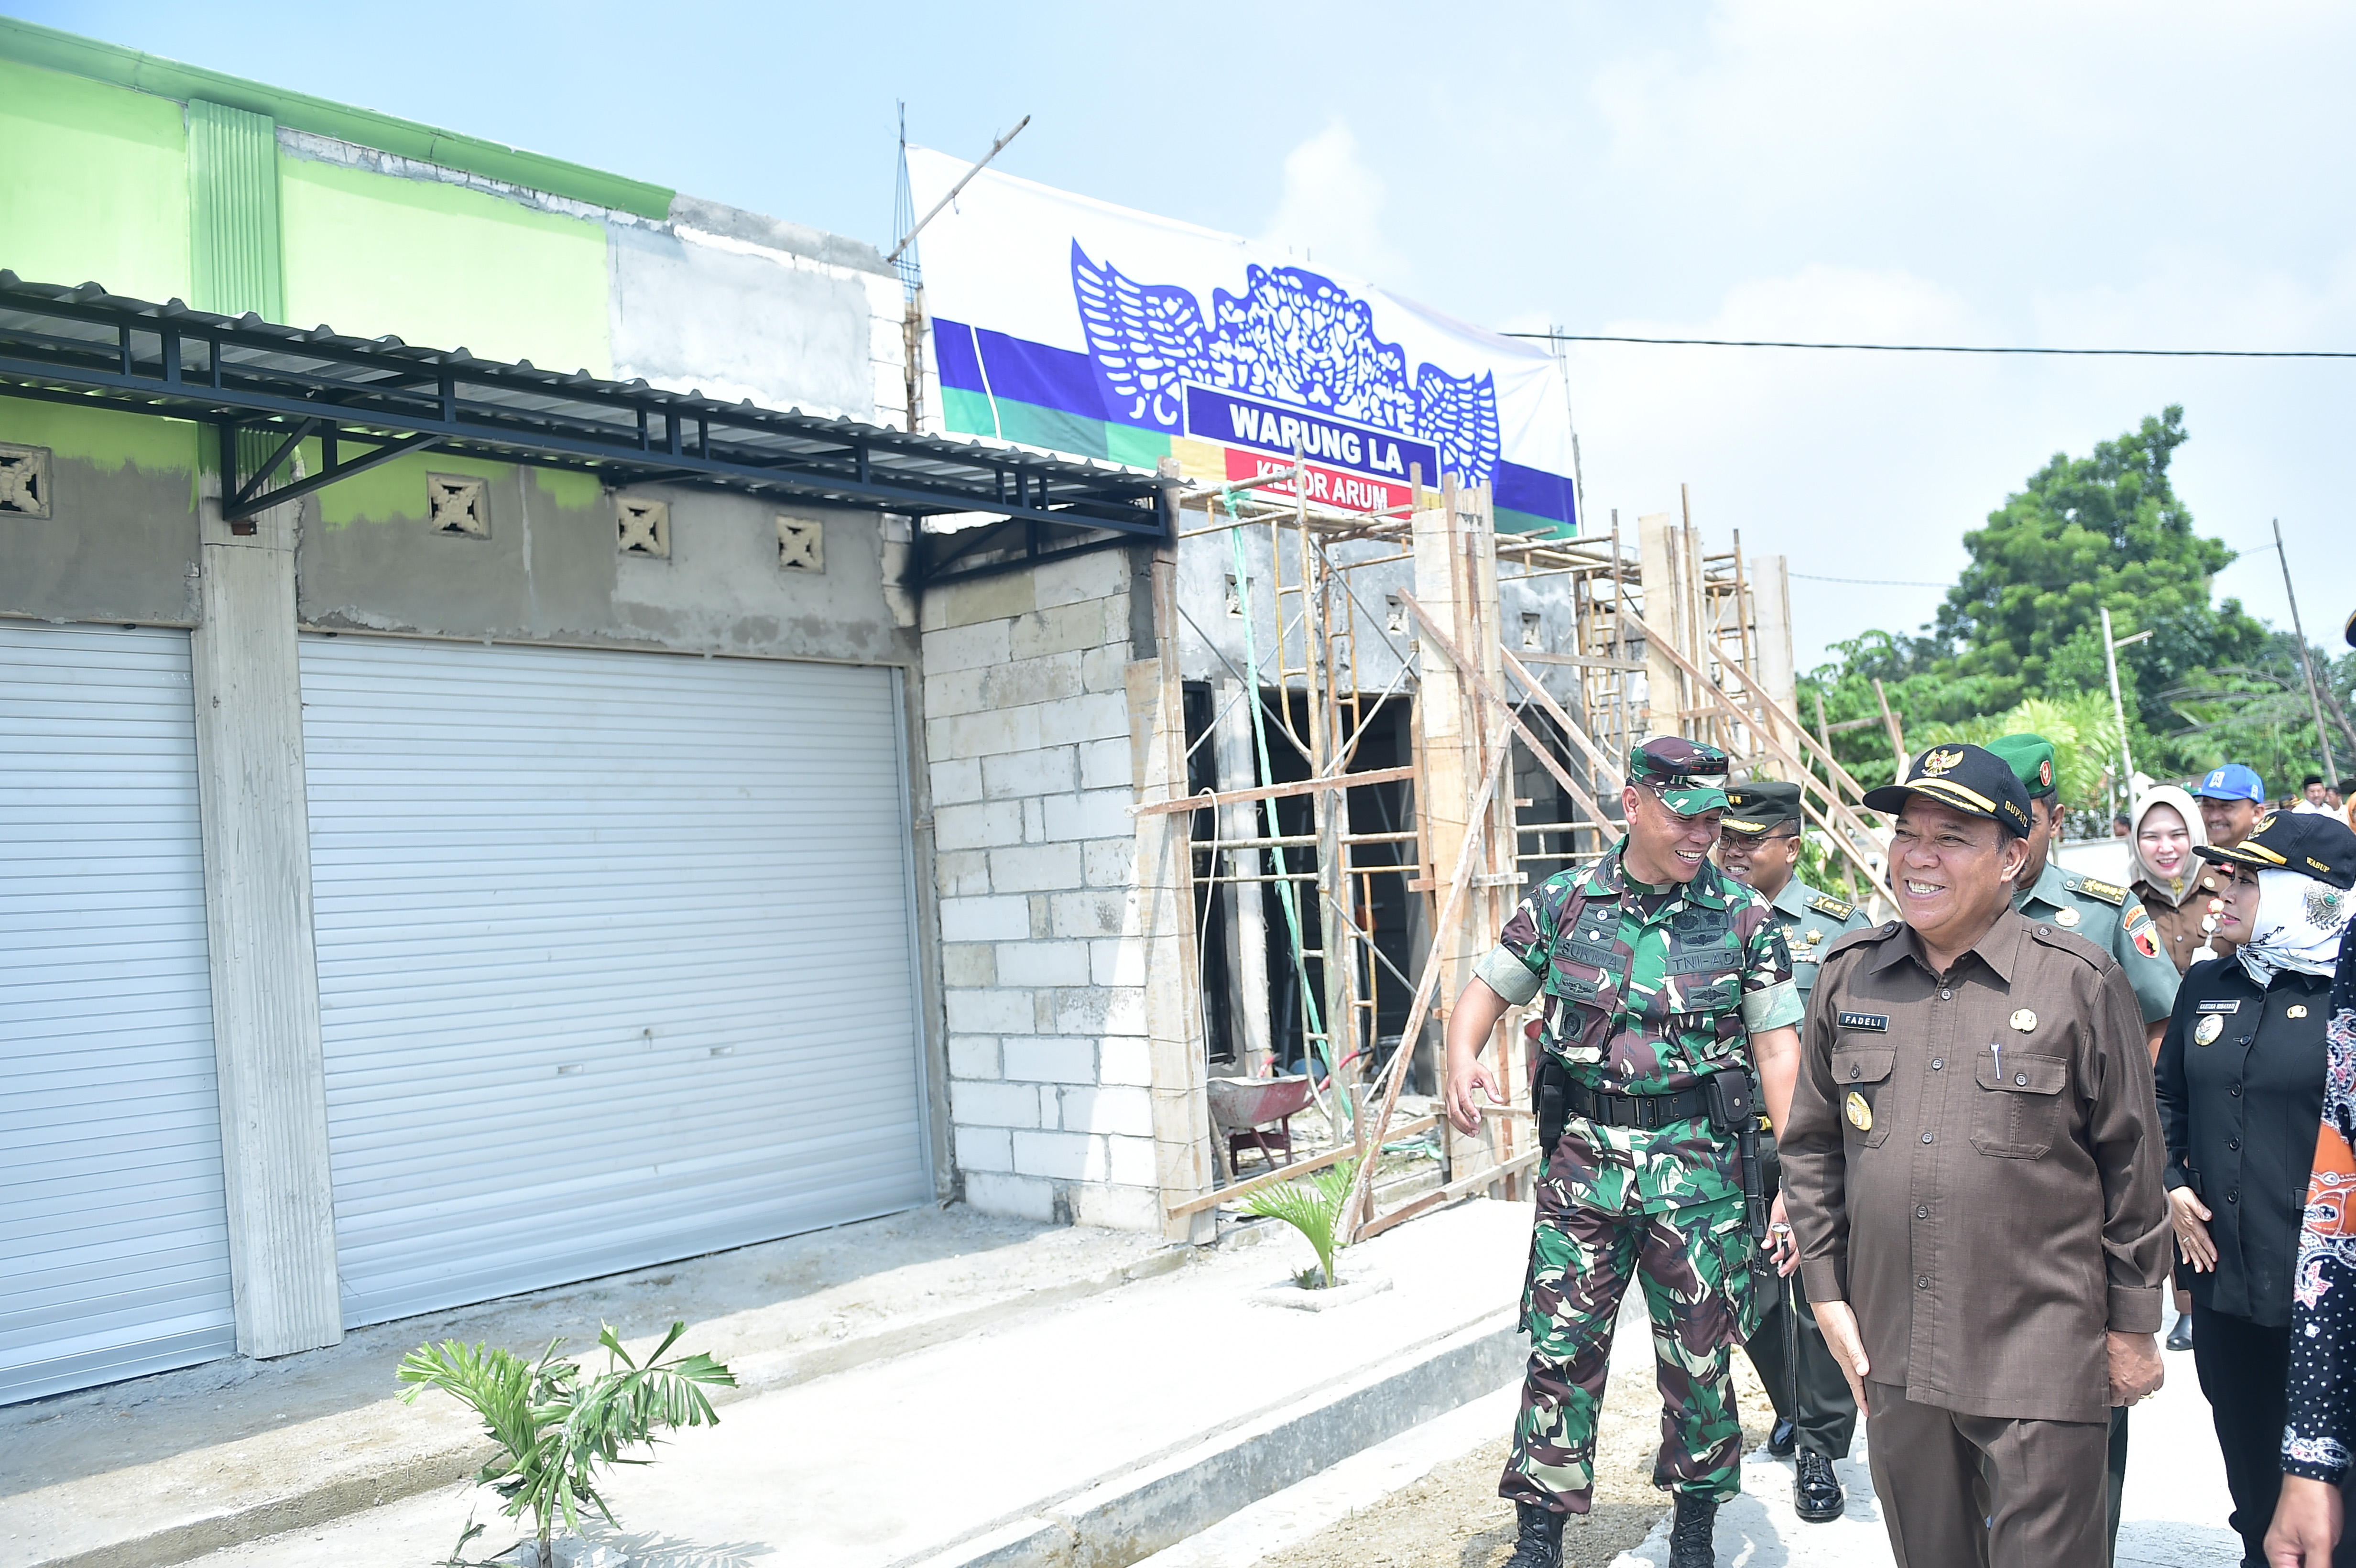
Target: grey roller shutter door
[113, 1235]
[615, 959]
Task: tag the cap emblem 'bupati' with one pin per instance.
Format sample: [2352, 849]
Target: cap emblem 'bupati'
[1938, 762]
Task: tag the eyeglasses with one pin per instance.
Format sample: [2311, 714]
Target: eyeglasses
[1732, 839]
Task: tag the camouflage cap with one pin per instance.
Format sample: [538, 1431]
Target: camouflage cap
[1689, 777]
[2030, 757]
[1760, 806]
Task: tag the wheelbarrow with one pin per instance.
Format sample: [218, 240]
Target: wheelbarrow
[1255, 1113]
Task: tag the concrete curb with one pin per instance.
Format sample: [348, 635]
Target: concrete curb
[306, 1505]
[1123, 1518]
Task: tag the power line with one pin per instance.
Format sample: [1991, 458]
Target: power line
[1944, 348]
[1865, 581]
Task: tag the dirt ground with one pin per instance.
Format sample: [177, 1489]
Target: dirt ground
[1453, 1518]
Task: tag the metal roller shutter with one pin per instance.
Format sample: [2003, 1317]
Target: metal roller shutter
[113, 1236]
[615, 959]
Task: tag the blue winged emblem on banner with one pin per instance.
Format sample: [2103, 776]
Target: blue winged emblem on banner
[1291, 336]
[1144, 339]
[1458, 415]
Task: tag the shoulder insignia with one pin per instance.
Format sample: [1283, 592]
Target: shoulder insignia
[2070, 941]
[1859, 937]
[1832, 906]
[2109, 892]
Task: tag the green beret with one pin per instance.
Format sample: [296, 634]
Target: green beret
[2030, 757]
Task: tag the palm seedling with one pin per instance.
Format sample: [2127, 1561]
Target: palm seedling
[556, 1428]
[1310, 1206]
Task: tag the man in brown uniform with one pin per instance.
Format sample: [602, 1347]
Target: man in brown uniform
[1973, 1169]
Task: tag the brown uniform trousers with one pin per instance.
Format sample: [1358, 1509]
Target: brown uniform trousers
[1939, 1474]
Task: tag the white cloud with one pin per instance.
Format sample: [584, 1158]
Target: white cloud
[1331, 211]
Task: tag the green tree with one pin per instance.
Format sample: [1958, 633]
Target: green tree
[2108, 529]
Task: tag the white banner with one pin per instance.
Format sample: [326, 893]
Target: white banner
[1071, 324]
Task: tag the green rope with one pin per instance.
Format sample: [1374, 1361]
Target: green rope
[1284, 889]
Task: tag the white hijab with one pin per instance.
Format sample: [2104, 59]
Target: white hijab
[2170, 889]
[2298, 926]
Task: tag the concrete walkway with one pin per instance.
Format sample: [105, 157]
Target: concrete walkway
[1156, 1407]
[154, 1470]
[2174, 1515]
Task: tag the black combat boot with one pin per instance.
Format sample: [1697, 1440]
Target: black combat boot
[1816, 1494]
[1538, 1541]
[1782, 1437]
[1690, 1545]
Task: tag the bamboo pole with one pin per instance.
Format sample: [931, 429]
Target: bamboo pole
[1434, 959]
[1298, 1168]
[1851, 822]
[1272, 792]
[1488, 693]
[1607, 774]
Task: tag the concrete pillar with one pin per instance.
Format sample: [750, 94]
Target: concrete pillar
[1246, 907]
[265, 977]
[1174, 1037]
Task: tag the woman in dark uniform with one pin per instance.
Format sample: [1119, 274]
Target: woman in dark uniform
[2240, 1081]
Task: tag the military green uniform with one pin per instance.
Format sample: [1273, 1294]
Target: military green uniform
[1812, 923]
[1648, 990]
[2108, 915]
[2112, 919]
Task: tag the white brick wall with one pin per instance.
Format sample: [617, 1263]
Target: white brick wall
[1028, 726]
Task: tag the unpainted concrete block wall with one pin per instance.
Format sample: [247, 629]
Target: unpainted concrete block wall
[1028, 730]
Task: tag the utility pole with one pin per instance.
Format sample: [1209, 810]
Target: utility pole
[2307, 661]
[2118, 708]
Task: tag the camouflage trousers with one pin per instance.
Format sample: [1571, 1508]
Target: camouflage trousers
[1693, 1264]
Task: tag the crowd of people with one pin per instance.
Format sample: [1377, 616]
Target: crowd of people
[1942, 1172]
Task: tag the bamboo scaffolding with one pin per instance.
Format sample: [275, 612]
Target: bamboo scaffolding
[1698, 625]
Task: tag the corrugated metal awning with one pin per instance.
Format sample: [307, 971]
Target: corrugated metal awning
[369, 400]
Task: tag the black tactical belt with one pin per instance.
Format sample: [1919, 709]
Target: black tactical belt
[1618, 1110]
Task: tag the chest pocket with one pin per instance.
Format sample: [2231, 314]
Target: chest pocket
[1703, 969]
[2018, 1113]
[1861, 1090]
[1585, 976]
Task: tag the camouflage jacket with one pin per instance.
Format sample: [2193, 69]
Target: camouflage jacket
[1649, 991]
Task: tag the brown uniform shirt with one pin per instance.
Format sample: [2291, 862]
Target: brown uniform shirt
[1973, 1164]
[2180, 924]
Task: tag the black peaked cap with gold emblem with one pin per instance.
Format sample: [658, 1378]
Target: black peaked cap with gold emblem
[1759, 807]
[1969, 779]
[2306, 842]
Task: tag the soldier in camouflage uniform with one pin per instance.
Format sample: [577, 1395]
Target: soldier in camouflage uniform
[1658, 971]
[1759, 845]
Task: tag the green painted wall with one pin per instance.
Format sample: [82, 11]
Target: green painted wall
[233, 212]
[93, 185]
[106, 439]
[395, 493]
[443, 266]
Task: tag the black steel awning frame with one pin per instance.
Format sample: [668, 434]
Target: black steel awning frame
[368, 401]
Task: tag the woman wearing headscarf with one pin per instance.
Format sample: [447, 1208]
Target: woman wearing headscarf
[2182, 893]
[2185, 897]
[2240, 1082]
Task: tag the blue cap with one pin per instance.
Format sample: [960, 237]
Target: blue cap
[2231, 782]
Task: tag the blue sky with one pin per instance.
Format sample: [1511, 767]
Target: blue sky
[2160, 175]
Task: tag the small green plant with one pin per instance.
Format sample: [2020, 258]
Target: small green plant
[1310, 1206]
[555, 1428]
